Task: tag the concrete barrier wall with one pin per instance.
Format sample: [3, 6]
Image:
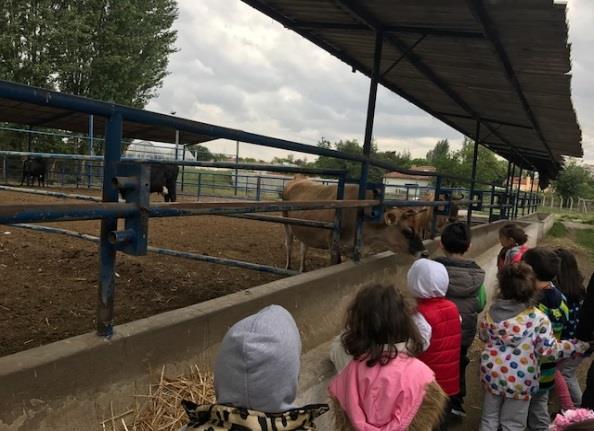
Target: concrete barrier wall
[71, 384]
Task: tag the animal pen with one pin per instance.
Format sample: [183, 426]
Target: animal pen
[464, 54]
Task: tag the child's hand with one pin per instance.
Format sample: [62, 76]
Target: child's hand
[582, 347]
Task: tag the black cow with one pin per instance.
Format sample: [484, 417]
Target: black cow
[163, 180]
[34, 168]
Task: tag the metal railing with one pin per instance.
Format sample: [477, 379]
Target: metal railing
[137, 209]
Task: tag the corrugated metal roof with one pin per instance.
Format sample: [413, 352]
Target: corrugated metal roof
[506, 62]
[34, 115]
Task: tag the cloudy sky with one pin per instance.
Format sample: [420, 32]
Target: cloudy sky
[236, 67]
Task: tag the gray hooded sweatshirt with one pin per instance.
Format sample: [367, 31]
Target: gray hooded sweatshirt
[258, 364]
[464, 289]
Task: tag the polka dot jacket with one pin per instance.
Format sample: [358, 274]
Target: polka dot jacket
[513, 349]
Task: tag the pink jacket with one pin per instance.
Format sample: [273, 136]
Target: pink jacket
[382, 398]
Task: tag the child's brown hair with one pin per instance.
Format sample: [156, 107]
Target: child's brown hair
[515, 232]
[517, 282]
[377, 320]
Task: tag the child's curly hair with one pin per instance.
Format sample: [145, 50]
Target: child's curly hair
[517, 282]
[378, 319]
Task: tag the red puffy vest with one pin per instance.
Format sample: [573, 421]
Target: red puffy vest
[443, 354]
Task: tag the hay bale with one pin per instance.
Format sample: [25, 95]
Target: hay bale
[160, 409]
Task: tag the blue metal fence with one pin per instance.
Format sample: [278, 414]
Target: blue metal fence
[136, 209]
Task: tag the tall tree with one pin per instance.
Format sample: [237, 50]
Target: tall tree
[490, 168]
[114, 50]
[440, 151]
[574, 181]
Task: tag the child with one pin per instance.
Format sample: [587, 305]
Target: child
[256, 375]
[585, 332]
[571, 283]
[517, 335]
[384, 386]
[574, 420]
[467, 291]
[545, 264]
[513, 242]
[428, 282]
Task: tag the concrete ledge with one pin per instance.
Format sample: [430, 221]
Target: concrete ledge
[69, 385]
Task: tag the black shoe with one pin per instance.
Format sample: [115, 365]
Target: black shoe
[458, 411]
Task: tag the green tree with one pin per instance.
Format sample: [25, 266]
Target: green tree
[445, 161]
[489, 167]
[201, 152]
[440, 151]
[110, 50]
[574, 181]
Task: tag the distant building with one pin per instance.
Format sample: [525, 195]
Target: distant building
[525, 183]
[405, 186]
[158, 151]
[400, 179]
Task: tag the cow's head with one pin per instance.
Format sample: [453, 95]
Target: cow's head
[402, 236]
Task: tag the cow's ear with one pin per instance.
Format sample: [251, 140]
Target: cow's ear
[390, 218]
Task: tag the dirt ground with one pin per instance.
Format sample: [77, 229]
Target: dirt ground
[49, 283]
[474, 399]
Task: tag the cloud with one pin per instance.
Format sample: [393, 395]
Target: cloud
[238, 68]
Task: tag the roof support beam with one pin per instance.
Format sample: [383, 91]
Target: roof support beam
[480, 12]
[488, 120]
[431, 31]
[355, 10]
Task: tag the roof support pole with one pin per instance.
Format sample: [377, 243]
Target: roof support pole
[509, 187]
[107, 255]
[531, 196]
[503, 210]
[377, 58]
[517, 199]
[510, 193]
[473, 175]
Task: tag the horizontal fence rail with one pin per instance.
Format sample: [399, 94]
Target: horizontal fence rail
[120, 121]
[165, 251]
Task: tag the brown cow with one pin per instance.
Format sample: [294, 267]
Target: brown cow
[396, 233]
[424, 218]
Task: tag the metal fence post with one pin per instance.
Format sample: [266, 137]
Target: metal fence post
[90, 164]
[112, 152]
[258, 187]
[492, 203]
[4, 173]
[199, 186]
[435, 198]
[335, 248]
[62, 174]
[236, 164]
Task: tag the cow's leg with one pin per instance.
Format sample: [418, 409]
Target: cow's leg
[172, 193]
[288, 245]
[303, 253]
